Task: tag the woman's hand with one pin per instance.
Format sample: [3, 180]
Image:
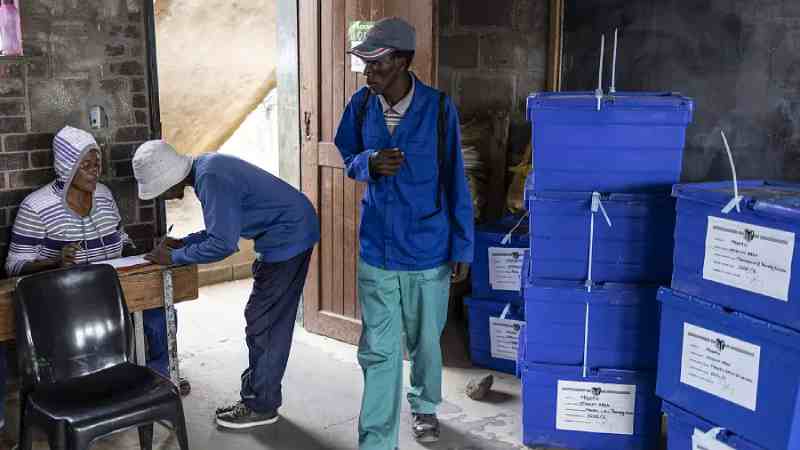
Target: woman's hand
[69, 254]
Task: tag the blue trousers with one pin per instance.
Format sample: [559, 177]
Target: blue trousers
[270, 316]
[155, 332]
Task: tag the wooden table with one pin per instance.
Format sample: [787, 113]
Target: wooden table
[145, 287]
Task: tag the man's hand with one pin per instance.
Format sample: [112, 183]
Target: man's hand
[69, 254]
[460, 271]
[386, 162]
[172, 243]
[160, 255]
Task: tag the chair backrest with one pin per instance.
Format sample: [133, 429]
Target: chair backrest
[70, 323]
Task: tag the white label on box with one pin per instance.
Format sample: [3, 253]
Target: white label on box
[720, 365]
[749, 257]
[702, 441]
[596, 407]
[505, 268]
[504, 335]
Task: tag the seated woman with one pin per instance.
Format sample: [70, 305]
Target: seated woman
[75, 220]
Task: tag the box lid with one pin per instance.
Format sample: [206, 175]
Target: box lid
[604, 196]
[769, 198]
[495, 302]
[599, 375]
[567, 291]
[620, 101]
[730, 319]
[725, 436]
[504, 225]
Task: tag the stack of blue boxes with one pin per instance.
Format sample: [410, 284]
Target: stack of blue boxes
[729, 359]
[601, 226]
[495, 310]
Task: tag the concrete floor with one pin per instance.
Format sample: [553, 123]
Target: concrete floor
[322, 390]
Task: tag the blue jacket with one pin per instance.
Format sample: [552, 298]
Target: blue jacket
[242, 200]
[401, 226]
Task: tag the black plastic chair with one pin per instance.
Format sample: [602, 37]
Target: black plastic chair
[78, 379]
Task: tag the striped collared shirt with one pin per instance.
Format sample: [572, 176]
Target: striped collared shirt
[394, 114]
[44, 225]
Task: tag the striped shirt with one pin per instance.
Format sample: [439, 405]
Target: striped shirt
[394, 114]
[44, 225]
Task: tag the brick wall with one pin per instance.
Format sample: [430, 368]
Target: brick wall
[493, 53]
[78, 54]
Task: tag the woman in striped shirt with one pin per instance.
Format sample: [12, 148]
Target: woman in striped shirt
[73, 219]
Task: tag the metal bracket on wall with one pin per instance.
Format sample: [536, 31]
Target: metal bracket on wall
[307, 124]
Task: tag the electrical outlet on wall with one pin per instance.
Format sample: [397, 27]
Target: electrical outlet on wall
[97, 118]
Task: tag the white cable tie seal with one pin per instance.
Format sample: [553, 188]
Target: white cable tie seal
[711, 435]
[507, 237]
[598, 93]
[586, 341]
[737, 199]
[613, 89]
[591, 254]
[505, 312]
[597, 205]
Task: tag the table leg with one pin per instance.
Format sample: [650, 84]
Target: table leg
[172, 329]
[138, 334]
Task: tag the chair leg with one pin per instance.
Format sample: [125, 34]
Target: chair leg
[146, 437]
[25, 441]
[56, 441]
[179, 423]
[180, 432]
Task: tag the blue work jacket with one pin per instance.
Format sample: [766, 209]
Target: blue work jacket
[242, 200]
[403, 227]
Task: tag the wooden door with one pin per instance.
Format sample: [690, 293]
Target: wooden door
[326, 84]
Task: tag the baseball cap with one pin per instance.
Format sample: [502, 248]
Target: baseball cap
[386, 36]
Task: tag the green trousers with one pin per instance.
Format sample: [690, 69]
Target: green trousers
[397, 304]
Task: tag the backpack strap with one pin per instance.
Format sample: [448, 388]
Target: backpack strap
[361, 115]
[441, 150]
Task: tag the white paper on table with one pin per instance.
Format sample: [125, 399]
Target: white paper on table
[129, 261]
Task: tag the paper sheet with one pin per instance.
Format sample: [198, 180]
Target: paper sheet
[721, 365]
[505, 268]
[596, 407]
[504, 334]
[130, 261]
[750, 257]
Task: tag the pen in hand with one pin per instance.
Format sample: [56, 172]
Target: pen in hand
[164, 239]
[161, 254]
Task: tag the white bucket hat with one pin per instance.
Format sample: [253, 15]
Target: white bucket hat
[157, 167]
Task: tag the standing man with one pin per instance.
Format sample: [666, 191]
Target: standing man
[401, 137]
[241, 200]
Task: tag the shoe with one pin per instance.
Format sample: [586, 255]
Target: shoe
[239, 417]
[425, 427]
